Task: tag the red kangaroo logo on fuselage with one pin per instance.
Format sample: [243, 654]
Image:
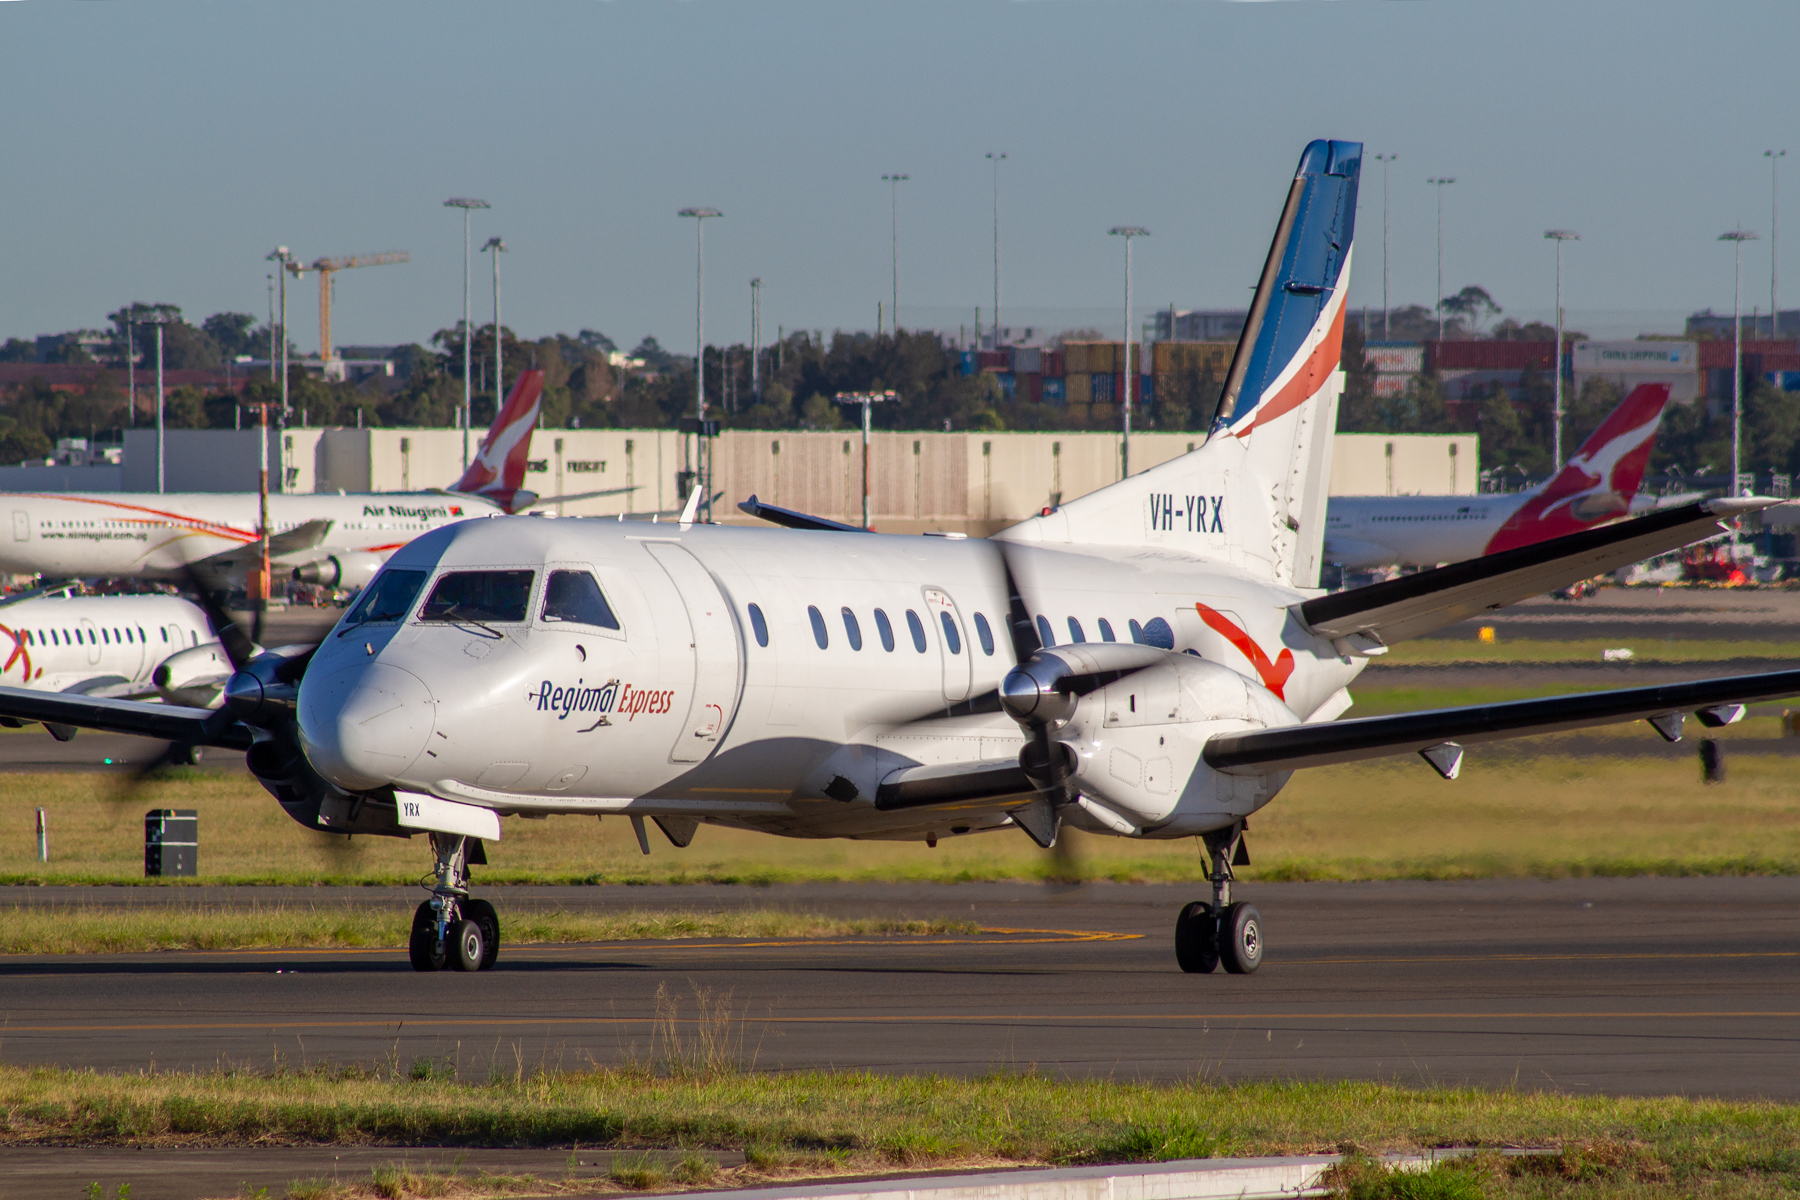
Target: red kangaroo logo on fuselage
[1274, 674]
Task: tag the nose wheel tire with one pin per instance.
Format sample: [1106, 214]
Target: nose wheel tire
[467, 946]
[423, 947]
[483, 914]
[1196, 939]
[1240, 939]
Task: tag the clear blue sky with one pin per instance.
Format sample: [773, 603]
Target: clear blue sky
[158, 151]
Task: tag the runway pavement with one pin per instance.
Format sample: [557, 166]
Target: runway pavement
[1607, 985]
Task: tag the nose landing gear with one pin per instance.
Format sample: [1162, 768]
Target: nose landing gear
[1220, 933]
[450, 929]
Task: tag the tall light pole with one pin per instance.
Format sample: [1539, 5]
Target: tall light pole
[284, 263]
[896, 181]
[867, 400]
[700, 216]
[1384, 160]
[1774, 157]
[756, 341]
[496, 247]
[1127, 232]
[158, 316]
[1737, 238]
[466, 204]
[1439, 184]
[1559, 236]
[996, 159]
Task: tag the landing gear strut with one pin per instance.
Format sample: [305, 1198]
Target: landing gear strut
[1208, 935]
[450, 929]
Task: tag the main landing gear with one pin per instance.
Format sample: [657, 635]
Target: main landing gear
[1208, 935]
[450, 929]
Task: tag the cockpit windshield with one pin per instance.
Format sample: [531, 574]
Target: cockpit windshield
[575, 596]
[389, 598]
[479, 596]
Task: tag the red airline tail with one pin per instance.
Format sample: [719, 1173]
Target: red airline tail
[497, 471]
[1597, 484]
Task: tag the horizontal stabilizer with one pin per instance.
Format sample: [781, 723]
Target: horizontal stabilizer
[164, 721]
[1290, 748]
[1414, 605]
[789, 519]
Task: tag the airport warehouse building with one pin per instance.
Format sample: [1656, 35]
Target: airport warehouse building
[972, 483]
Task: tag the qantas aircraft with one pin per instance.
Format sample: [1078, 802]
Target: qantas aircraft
[1598, 485]
[1153, 660]
[335, 540]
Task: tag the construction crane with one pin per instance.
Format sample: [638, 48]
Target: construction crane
[327, 267]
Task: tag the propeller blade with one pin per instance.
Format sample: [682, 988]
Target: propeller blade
[239, 647]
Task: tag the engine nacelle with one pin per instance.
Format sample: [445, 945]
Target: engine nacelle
[351, 569]
[279, 765]
[1137, 743]
[192, 677]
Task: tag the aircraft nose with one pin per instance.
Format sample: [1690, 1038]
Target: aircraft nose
[363, 726]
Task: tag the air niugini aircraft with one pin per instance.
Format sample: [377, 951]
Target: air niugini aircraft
[1153, 660]
[336, 540]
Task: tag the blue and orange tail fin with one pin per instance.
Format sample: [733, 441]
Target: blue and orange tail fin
[1254, 494]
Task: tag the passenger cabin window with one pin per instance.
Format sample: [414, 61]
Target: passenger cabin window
[1106, 633]
[852, 630]
[886, 629]
[479, 596]
[389, 598]
[576, 596]
[1046, 635]
[984, 634]
[759, 626]
[917, 628]
[1137, 633]
[951, 637]
[1075, 634]
[1157, 633]
[818, 623]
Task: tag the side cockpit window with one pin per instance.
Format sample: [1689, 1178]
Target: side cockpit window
[389, 598]
[479, 596]
[575, 596]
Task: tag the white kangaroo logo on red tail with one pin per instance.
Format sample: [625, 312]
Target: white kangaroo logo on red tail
[497, 472]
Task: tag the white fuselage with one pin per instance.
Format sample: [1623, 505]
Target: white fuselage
[120, 534]
[715, 697]
[1380, 531]
[63, 643]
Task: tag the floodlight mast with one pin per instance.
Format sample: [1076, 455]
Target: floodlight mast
[497, 247]
[1128, 232]
[700, 216]
[867, 400]
[1559, 236]
[466, 203]
[1737, 238]
[896, 180]
[1440, 184]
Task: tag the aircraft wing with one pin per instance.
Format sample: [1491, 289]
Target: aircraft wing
[163, 721]
[1414, 605]
[1716, 702]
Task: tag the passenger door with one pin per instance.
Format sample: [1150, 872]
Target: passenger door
[953, 643]
[717, 649]
[91, 636]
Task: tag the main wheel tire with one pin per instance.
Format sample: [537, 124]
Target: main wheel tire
[1196, 939]
[187, 754]
[467, 946]
[426, 952]
[483, 914]
[1240, 939]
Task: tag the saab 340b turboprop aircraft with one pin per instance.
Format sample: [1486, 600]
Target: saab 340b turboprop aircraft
[335, 540]
[1153, 660]
[1596, 486]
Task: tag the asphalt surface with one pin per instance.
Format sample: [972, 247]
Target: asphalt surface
[1603, 985]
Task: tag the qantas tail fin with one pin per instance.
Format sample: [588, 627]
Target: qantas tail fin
[1254, 494]
[1597, 484]
[497, 471]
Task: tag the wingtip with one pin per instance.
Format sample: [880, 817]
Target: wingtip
[1737, 506]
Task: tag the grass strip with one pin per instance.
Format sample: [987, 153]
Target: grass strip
[819, 1123]
[1445, 651]
[90, 930]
